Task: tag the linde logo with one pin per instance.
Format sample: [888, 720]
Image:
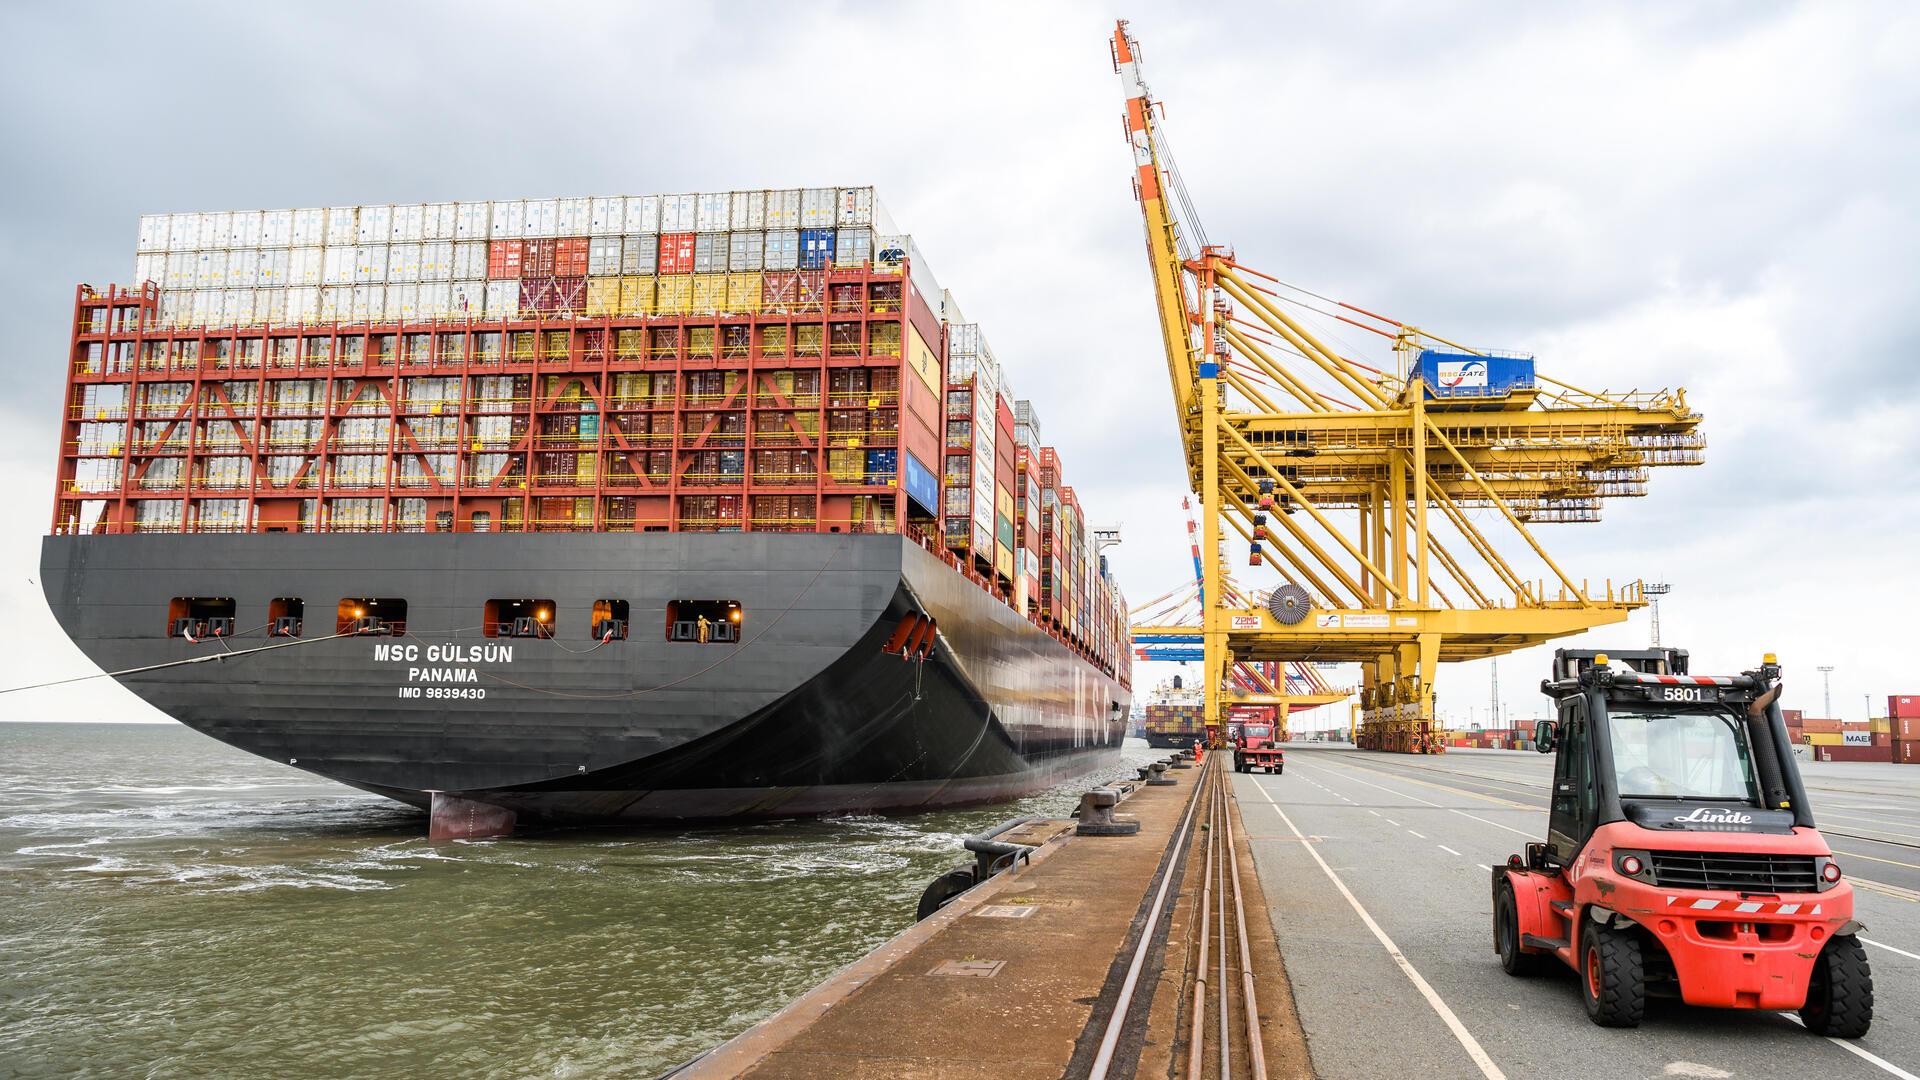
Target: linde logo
[1705, 816]
[1457, 373]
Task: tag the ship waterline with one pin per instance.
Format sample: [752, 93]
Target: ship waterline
[815, 701]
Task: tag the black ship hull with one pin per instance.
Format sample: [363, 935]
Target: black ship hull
[808, 713]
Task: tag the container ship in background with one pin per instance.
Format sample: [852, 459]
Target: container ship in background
[1176, 716]
[597, 509]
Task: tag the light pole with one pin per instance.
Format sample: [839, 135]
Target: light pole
[1656, 590]
[1826, 682]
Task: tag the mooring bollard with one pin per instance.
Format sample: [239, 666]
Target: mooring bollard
[1159, 777]
[1145, 770]
[1097, 817]
[1179, 761]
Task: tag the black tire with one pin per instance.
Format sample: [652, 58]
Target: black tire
[1613, 980]
[1840, 994]
[1506, 935]
[943, 889]
[1278, 769]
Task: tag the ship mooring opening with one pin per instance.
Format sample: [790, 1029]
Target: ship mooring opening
[705, 622]
[610, 620]
[385, 615]
[194, 617]
[519, 618]
[286, 616]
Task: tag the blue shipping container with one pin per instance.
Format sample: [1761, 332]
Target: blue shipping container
[882, 465]
[816, 248]
[1464, 375]
[921, 485]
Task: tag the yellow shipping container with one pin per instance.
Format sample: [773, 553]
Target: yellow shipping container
[743, 293]
[1826, 738]
[636, 295]
[709, 294]
[673, 294]
[603, 296]
[1880, 723]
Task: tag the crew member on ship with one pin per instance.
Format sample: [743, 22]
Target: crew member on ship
[706, 629]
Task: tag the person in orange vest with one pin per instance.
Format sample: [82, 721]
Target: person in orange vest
[705, 629]
[1199, 752]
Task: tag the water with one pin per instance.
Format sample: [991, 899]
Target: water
[171, 907]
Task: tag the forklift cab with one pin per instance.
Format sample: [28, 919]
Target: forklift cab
[1637, 739]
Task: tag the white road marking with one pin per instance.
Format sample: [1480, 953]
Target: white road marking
[1889, 948]
[1864, 1055]
[1416, 834]
[1696, 1070]
[1495, 824]
[1449, 850]
[1467, 1042]
[1375, 813]
[1391, 822]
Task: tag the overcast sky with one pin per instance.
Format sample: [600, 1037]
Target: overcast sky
[1717, 195]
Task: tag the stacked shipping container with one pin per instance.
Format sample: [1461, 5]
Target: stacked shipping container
[639, 363]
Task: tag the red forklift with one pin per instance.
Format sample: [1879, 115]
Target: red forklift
[1256, 747]
[1681, 857]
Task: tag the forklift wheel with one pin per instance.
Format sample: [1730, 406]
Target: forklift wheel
[1506, 935]
[1840, 994]
[1278, 769]
[1612, 980]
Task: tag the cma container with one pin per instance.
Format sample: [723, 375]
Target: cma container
[1465, 375]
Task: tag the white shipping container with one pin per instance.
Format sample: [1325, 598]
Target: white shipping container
[603, 256]
[855, 206]
[306, 266]
[746, 250]
[276, 228]
[543, 218]
[243, 268]
[437, 221]
[431, 302]
[509, 219]
[244, 229]
[206, 303]
[343, 226]
[643, 214]
[889, 250]
[309, 228]
[469, 260]
[303, 303]
[851, 247]
[153, 232]
[678, 213]
[339, 267]
[818, 207]
[573, 217]
[783, 209]
[202, 270]
[214, 228]
[503, 299]
[748, 210]
[409, 223]
[183, 231]
[639, 254]
[403, 302]
[369, 302]
[217, 276]
[236, 307]
[711, 211]
[270, 305]
[709, 253]
[151, 266]
[273, 268]
[370, 264]
[180, 269]
[472, 220]
[783, 249]
[375, 225]
[608, 215]
[468, 299]
[336, 302]
[436, 260]
[403, 263]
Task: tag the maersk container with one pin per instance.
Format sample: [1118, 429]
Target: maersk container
[1465, 375]
[816, 248]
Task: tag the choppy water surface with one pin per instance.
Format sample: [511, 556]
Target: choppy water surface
[172, 907]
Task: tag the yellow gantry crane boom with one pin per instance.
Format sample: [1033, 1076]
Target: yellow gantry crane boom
[1395, 505]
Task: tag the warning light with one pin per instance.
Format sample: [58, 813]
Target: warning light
[734, 615]
[358, 612]
[541, 614]
[1769, 658]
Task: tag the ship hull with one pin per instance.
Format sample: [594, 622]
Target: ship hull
[809, 713]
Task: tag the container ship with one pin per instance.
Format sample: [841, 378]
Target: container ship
[1176, 715]
[631, 508]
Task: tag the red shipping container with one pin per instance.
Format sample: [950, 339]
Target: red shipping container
[539, 258]
[504, 258]
[813, 290]
[676, 253]
[1907, 752]
[537, 294]
[569, 293]
[1903, 705]
[570, 257]
[1831, 727]
[1793, 716]
[1882, 738]
[1853, 753]
[1906, 727]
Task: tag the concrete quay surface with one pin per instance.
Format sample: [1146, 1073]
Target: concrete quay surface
[1017, 978]
[1387, 941]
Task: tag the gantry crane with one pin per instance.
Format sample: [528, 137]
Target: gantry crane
[1369, 487]
[1172, 631]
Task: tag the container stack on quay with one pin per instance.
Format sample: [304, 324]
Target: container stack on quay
[778, 360]
[1894, 737]
[1903, 728]
[1493, 738]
